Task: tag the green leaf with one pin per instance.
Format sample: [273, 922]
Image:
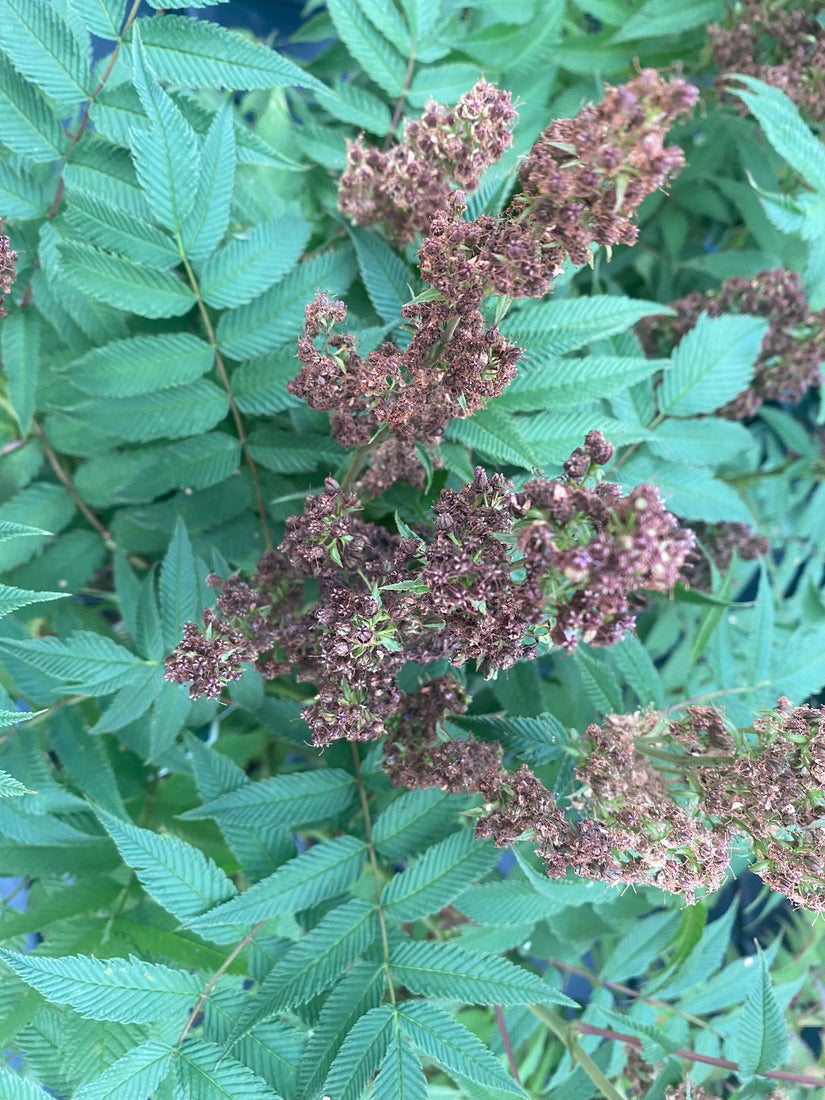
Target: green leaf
[21, 195]
[142, 364]
[356, 994]
[12, 599]
[761, 1037]
[132, 1077]
[205, 1073]
[712, 364]
[9, 786]
[381, 61]
[312, 877]
[179, 595]
[669, 17]
[126, 990]
[437, 877]
[566, 324]
[182, 410]
[20, 350]
[103, 18]
[446, 970]
[167, 158]
[177, 875]
[692, 492]
[119, 230]
[15, 1087]
[28, 125]
[259, 385]
[534, 740]
[43, 49]
[560, 382]
[415, 820]
[200, 54]
[785, 129]
[276, 317]
[348, 102]
[360, 1054]
[206, 224]
[293, 799]
[84, 662]
[35, 511]
[400, 1073]
[123, 283]
[249, 264]
[451, 1046]
[313, 964]
[389, 282]
[291, 452]
[494, 435]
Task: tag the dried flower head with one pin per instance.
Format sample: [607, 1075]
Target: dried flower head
[780, 47]
[718, 542]
[402, 189]
[8, 267]
[793, 348]
[581, 184]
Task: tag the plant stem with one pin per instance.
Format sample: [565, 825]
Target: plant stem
[399, 106]
[213, 981]
[376, 874]
[508, 1046]
[70, 487]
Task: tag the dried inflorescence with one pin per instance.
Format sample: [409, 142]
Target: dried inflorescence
[496, 572]
[718, 542]
[8, 267]
[784, 48]
[581, 185]
[793, 348]
[402, 189]
[451, 368]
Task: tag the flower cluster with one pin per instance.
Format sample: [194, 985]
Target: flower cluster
[402, 189]
[581, 184]
[497, 572]
[780, 47]
[718, 542]
[451, 368]
[792, 350]
[8, 267]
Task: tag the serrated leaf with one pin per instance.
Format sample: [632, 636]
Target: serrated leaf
[313, 964]
[141, 364]
[12, 599]
[118, 230]
[179, 596]
[83, 662]
[360, 1054]
[205, 1073]
[379, 60]
[206, 224]
[201, 54]
[415, 820]
[761, 1037]
[276, 317]
[349, 103]
[562, 382]
[712, 364]
[165, 414]
[320, 873]
[20, 338]
[10, 530]
[167, 157]
[129, 991]
[571, 323]
[248, 265]
[389, 282]
[132, 1077]
[21, 195]
[259, 385]
[103, 18]
[357, 993]
[28, 125]
[451, 1046]
[291, 452]
[446, 970]
[9, 786]
[400, 1073]
[36, 511]
[123, 283]
[692, 492]
[666, 17]
[494, 435]
[785, 129]
[43, 49]
[176, 874]
[437, 877]
[15, 1087]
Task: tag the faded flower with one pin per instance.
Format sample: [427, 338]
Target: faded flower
[8, 267]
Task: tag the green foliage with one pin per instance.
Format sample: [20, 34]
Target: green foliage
[219, 911]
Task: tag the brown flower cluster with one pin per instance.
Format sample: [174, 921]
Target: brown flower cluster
[451, 368]
[8, 267]
[581, 185]
[780, 47]
[496, 572]
[718, 542]
[402, 189]
[793, 348]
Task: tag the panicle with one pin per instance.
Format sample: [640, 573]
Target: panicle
[402, 188]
